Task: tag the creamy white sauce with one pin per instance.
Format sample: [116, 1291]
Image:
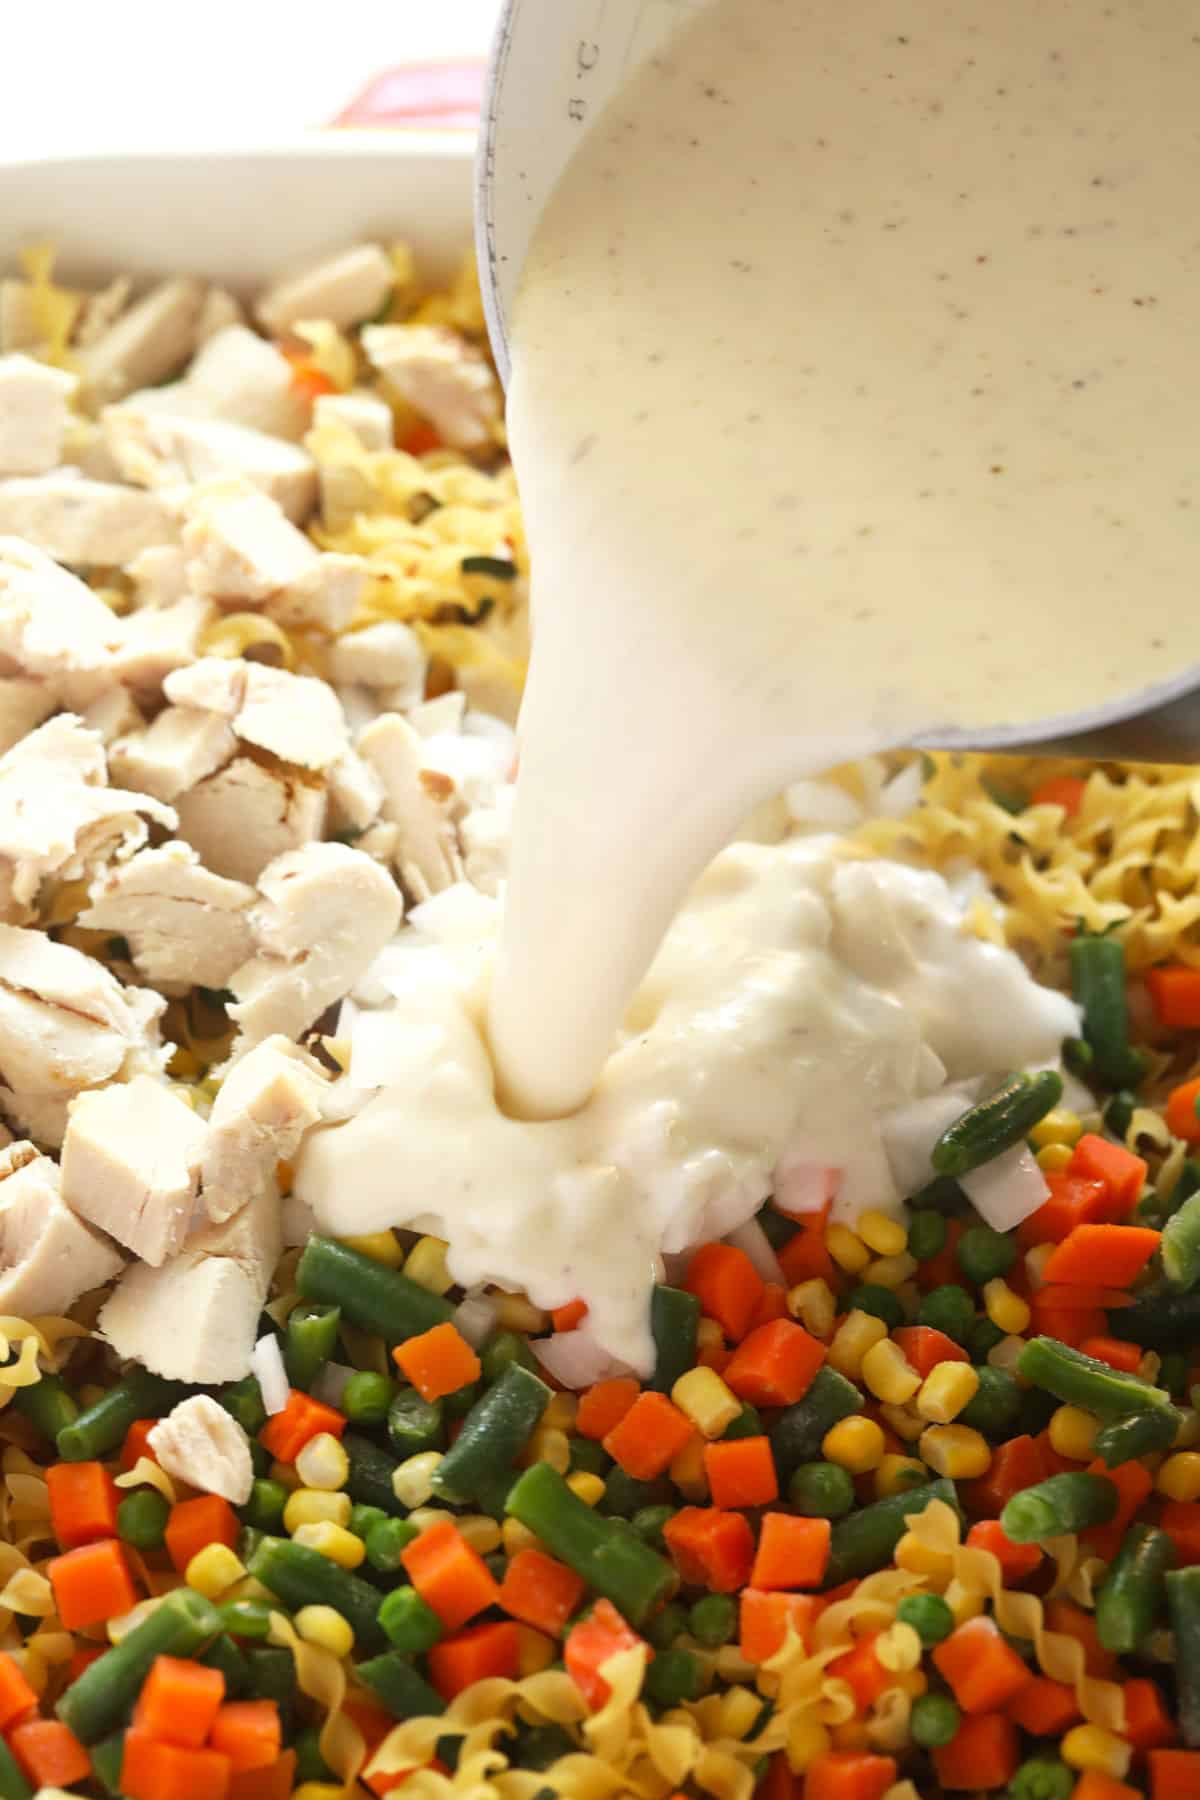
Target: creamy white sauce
[854, 398]
[797, 1000]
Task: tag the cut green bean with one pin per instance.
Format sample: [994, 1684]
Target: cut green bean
[224, 1655]
[303, 1577]
[1061, 1504]
[1085, 1381]
[674, 1320]
[142, 1519]
[1159, 1319]
[386, 1544]
[312, 1333]
[1098, 984]
[367, 1396]
[371, 1469]
[410, 1624]
[610, 1557]
[273, 1677]
[394, 1681]
[1183, 1610]
[13, 1785]
[101, 1428]
[864, 1541]
[264, 1509]
[247, 1618]
[414, 1424]
[672, 1677]
[502, 1348]
[1179, 1246]
[243, 1400]
[494, 1432]
[107, 1759]
[1133, 1594]
[997, 1123]
[799, 1430]
[371, 1296]
[48, 1404]
[97, 1700]
[1137, 1435]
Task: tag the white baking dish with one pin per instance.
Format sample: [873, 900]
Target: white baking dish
[241, 216]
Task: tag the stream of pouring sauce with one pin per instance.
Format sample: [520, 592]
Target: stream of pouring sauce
[854, 399]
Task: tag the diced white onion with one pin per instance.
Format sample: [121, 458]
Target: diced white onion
[266, 1362]
[330, 1383]
[803, 1187]
[576, 1359]
[902, 792]
[475, 1318]
[1007, 1189]
[910, 1132]
[822, 803]
[753, 1240]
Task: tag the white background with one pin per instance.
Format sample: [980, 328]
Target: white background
[104, 74]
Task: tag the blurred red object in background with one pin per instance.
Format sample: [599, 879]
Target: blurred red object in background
[432, 96]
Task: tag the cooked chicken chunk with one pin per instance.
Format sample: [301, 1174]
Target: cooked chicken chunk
[113, 715]
[184, 925]
[84, 522]
[295, 717]
[200, 1443]
[58, 816]
[220, 310]
[244, 552]
[24, 703]
[246, 814]
[51, 623]
[159, 576]
[345, 289]
[48, 1257]
[131, 1165]
[180, 748]
[217, 1284]
[363, 413]
[427, 853]
[101, 310]
[442, 377]
[239, 377]
[33, 415]
[264, 1106]
[158, 449]
[146, 344]
[325, 914]
[355, 793]
[156, 640]
[387, 655]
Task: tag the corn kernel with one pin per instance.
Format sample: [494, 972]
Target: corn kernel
[412, 1481]
[856, 1444]
[1052, 1159]
[1007, 1311]
[896, 1474]
[332, 1541]
[561, 1411]
[1179, 1477]
[889, 1374]
[426, 1265]
[312, 1506]
[898, 1648]
[319, 1790]
[688, 1471]
[709, 1335]
[213, 1570]
[884, 1235]
[482, 1533]
[422, 1517]
[1035, 1263]
[517, 1313]
[381, 1246]
[812, 1302]
[1058, 1127]
[946, 1390]
[1188, 1433]
[587, 1487]
[740, 1710]
[807, 1739]
[517, 1537]
[323, 1463]
[956, 1451]
[549, 1446]
[854, 1337]
[325, 1627]
[535, 1651]
[905, 1421]
[1006, 1355]
[1092, 1747]
[891, 1271]
[1073, 1433]
[704, 1398]
[917, 1558]
[847, 1249]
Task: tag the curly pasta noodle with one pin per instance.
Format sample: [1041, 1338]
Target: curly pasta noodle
[321, 1676]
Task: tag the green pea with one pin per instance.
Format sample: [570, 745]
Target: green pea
[747, 1424]
[648, 1522]
[926, 1235]
[983, 1254]
[410, 1622]
[362, 1518]
[366, 1397]
[264, 1509]
[502, 1348]
[984, 1338]
[950, 1309]
[1042, 1778]
[625, 1496]
[142, 1519]
[587, 1457]
[713, 1620]
[934, 1720]
[821, 1490]
[929, 1616]
[880, 1302]
[386, 1541]
[995, 1406]
[672, 1676]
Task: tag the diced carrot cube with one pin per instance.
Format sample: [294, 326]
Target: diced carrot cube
[92, 1584]
[1148, 1724]
[49, 1753]
[764, 1619]
[286, 1433]
[849, 1775]
[604, 1405]
[982, 1670]
[775, 1364]
[179, 1701]
[1044, 1708]
[195, 1524]
[154, 1770]
[711, 1548]
[249, 1733]
[83, 1503]
[591, 1644]
[1016, 1560]
[481, 1653]
[17, 1698]
[727, 1285]
[863, 1673]
[741, 1472]
[449, 1575]
[982, 1754]
[792, 1552]
[438, 1362]
[540, 1591]
[649, 1437]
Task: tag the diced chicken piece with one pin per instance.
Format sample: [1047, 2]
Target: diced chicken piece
[131, 1165]
[155, 641]
[387, 655]
[355, 793]
[216, 1286]
[427, 853]
[113, 715]
[101, 311]
[202, 1444]
[40, 1117]
[83, 522]
[48, 1257]
[486, 835]
[158, 449]
[325, 914]
[243, 551]
[58, 816]
[263, 1107]
[146, 344]
[85, 448]
[220, 310]
[18, 325]
[24, 703]
[345, 289]
[66, 1023]
[434, 718]
[33, 415]
[51, 623]
[244, 816]
[181, 747]
[295, 717]
[159, 575]
[238, 376]
[184, 925]
[442, 377]
[363, 413]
